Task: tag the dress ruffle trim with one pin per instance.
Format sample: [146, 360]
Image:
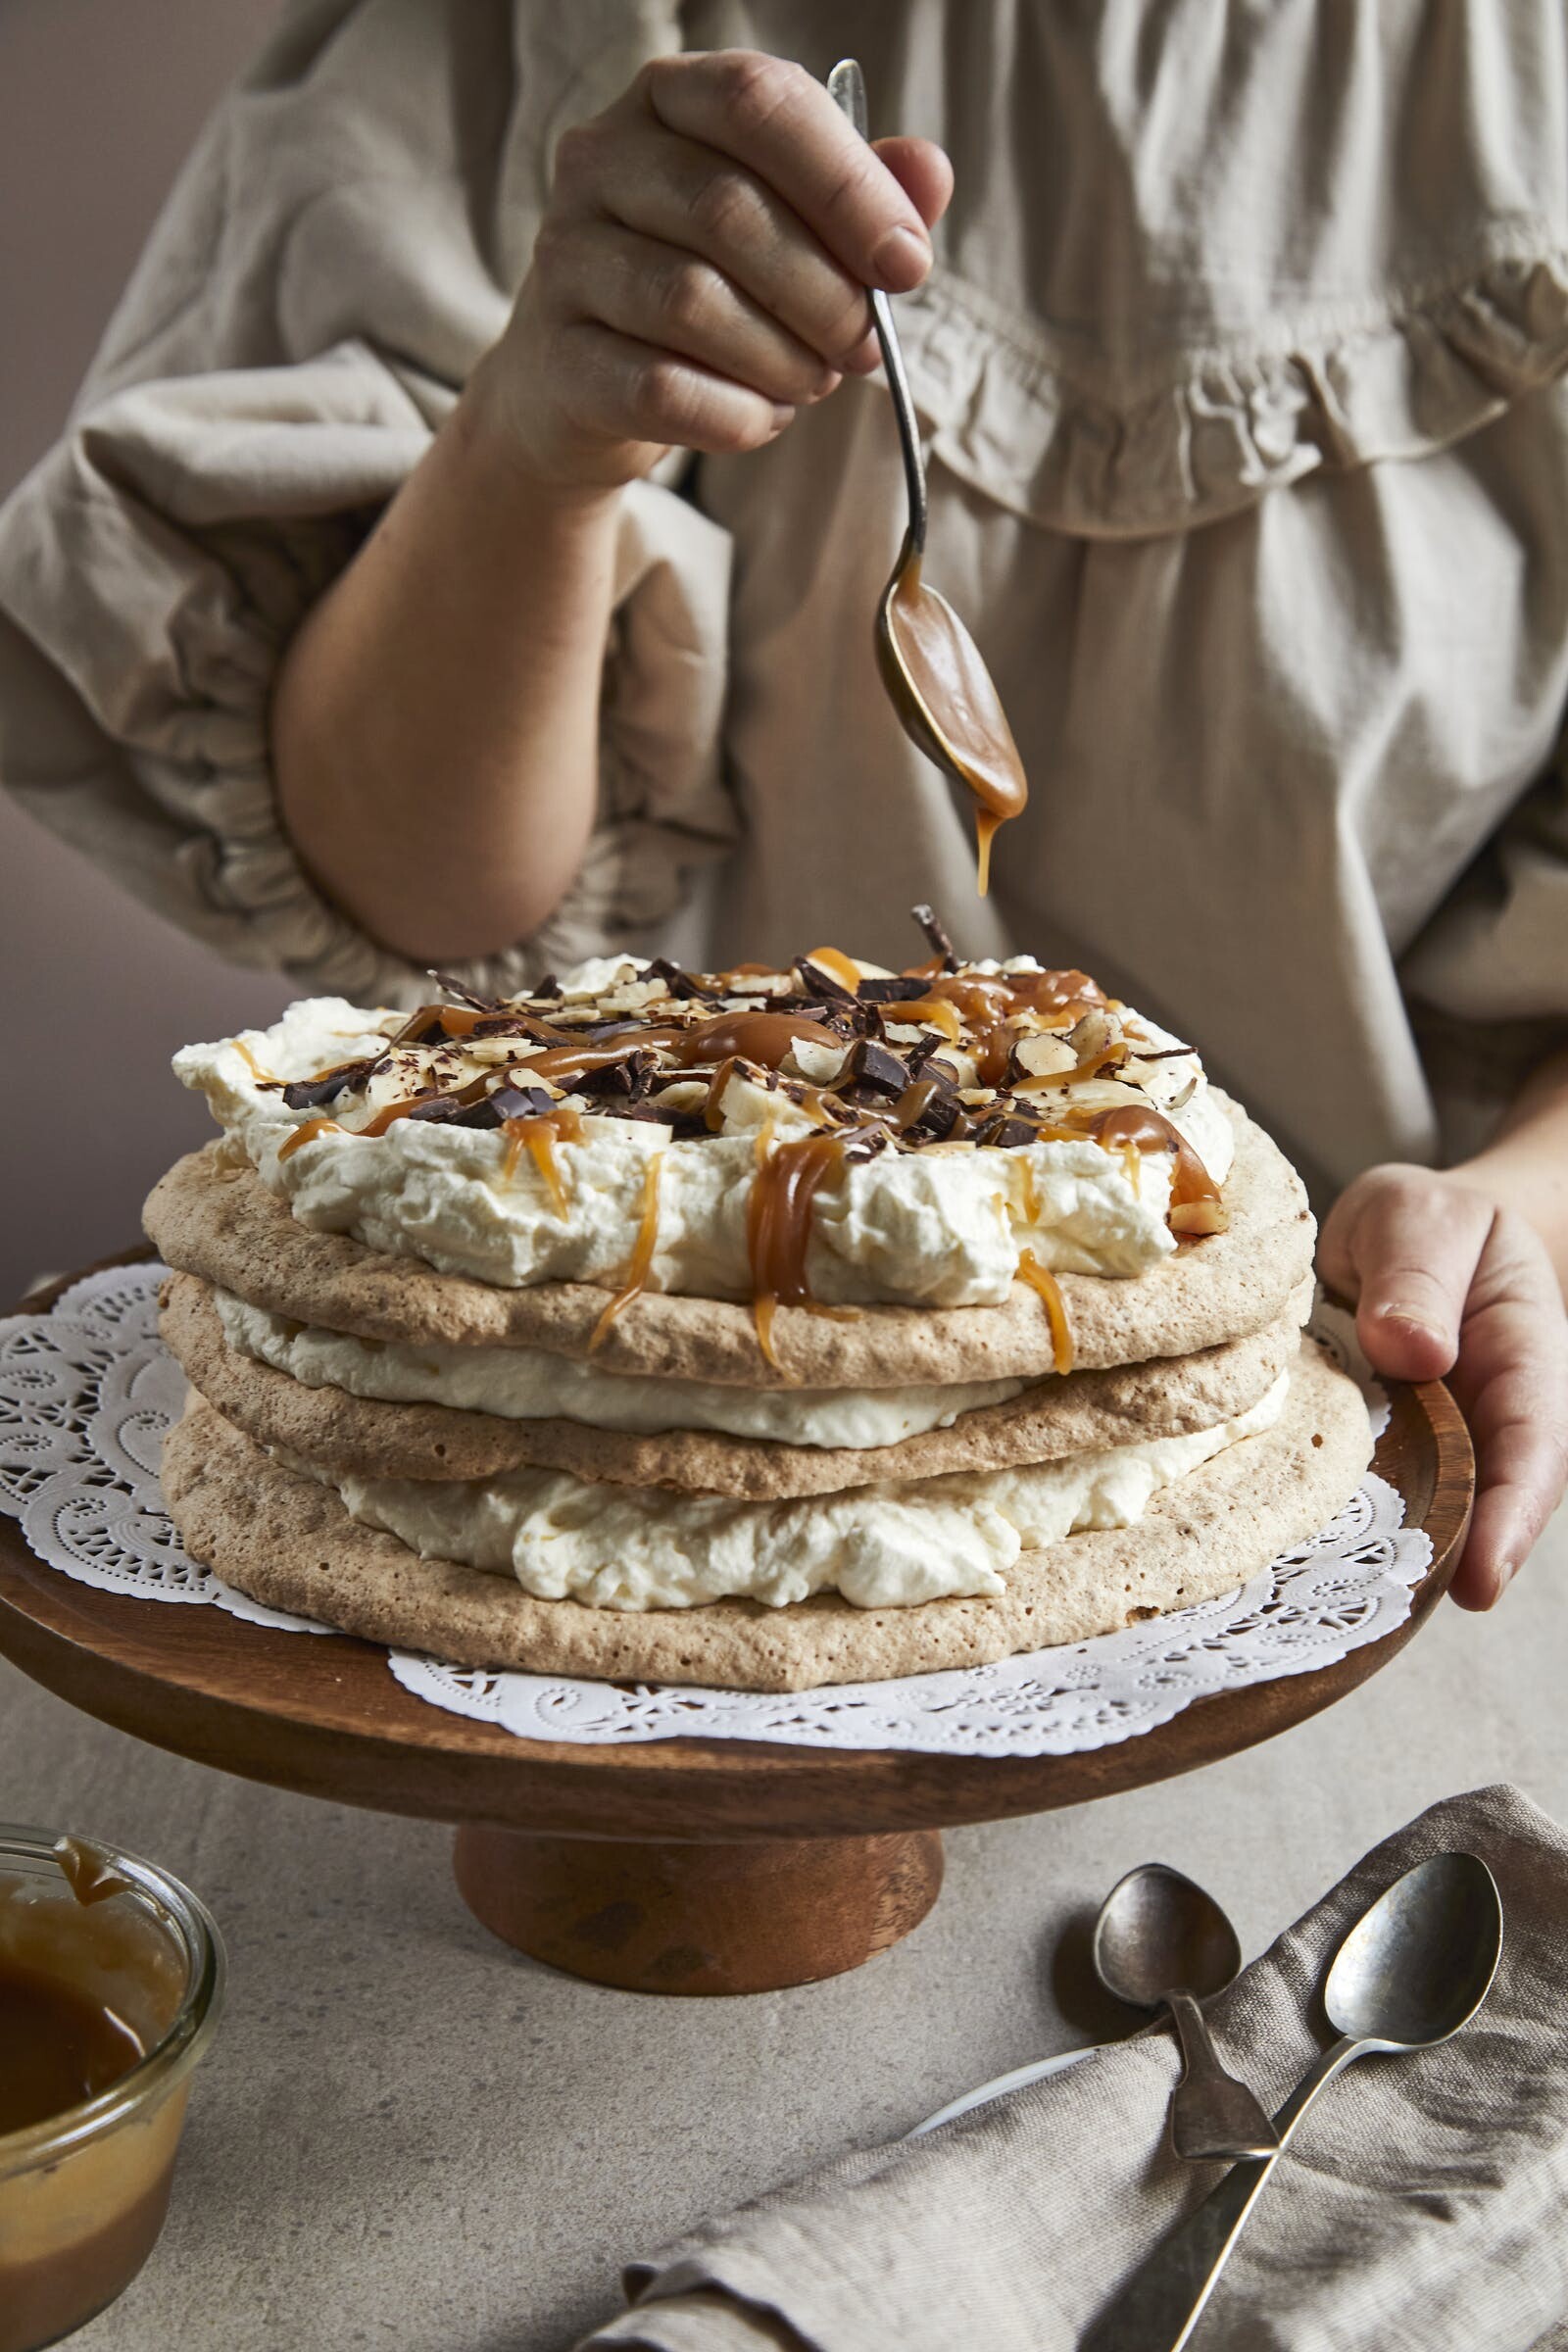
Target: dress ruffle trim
[1018, 416]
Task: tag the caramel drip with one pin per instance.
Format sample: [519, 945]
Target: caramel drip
[1041, 1279]
[1131, 1125]
[263, 1077]
[986, 821]
[1031, 1192]
[834, 960]
[992, 1050]
[642, 1256]
[713, 1107]
[539, 1138]
[307, 1134]
[405, 1110]
[913, 1104]
[778, 1226]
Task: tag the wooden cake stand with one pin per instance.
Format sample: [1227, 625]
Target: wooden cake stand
[678, 1866]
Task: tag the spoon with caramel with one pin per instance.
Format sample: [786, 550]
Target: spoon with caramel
[931, 667]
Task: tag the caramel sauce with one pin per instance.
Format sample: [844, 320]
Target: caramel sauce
[58, 2046]
[832, 959]
[765, 1038]
[1130, 1124]
[778, 1226]
[562, 1064]
[307, 1134]
[943, 663]
[88, 1872]
[539, 1138]
[713, 1107]
[263, 1077]
[1041, 1279]
[913, 1104]
[934, 1011]
[642, 1256]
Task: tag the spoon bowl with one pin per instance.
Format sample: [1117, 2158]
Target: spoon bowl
[1418, 1964]
[1157, 1929]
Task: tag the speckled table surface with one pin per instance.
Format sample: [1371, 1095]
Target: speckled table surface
[409, 2135]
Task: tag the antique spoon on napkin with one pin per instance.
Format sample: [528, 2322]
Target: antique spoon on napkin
[1416, 1967]
[930, 664]
[1160, 1940]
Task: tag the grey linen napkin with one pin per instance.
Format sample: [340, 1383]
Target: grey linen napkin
[1423, 2206]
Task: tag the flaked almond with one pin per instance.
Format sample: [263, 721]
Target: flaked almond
[1201, 1216]
[1042, 1055]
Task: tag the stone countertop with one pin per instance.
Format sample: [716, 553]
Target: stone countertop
[409, 2135]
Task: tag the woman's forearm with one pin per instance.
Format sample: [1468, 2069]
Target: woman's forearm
[434, 728]
[1525, 1167]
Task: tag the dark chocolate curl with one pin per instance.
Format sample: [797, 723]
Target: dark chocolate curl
[941, 944]
[463, 995]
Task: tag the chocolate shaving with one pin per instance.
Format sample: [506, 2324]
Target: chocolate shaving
[313, 1093]
[681, 985]
[937, 937]
[900, 988]
[507, 1103]
[463, 995]
[547, 988]
[1005, 1134]
[821, 985]
[631, 1078]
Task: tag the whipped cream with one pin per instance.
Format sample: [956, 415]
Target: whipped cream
[942, 1226]
[528, 1384]
[893, 1545]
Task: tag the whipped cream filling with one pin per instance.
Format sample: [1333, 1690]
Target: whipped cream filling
[892, 1545]
[939, 1227]
[529, 1384]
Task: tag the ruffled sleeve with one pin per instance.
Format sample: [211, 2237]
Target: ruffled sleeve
[340, 250]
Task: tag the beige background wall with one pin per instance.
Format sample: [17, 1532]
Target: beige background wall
[99, 101]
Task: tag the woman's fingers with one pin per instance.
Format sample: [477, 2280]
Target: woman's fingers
[672, 300]
[1405, 1244]
[922, 170]
[624, 390]
[777, 121]
[685, 195]
[1447, 1283]
[1511, 1381]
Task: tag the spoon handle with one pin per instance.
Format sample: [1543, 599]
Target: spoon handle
[846, 88]
[1160, 2305]
[1213, 2118]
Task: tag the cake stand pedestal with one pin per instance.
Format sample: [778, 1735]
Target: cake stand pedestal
[674, 1866]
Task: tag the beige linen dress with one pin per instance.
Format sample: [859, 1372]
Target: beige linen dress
[1242, 371]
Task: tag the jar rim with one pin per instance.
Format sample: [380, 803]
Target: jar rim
[185, 2038]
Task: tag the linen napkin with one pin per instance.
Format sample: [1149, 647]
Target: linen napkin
[1423, 2204]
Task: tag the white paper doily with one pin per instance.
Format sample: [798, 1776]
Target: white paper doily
[87, 1392]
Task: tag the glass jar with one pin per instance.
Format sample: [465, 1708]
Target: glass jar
[83, 2193]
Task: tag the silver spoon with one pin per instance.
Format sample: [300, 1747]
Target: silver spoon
[923, 650]
[1160, 1940]
[1414, 1967]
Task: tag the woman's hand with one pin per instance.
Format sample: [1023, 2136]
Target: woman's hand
[700, 272]
[1451, 1286]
